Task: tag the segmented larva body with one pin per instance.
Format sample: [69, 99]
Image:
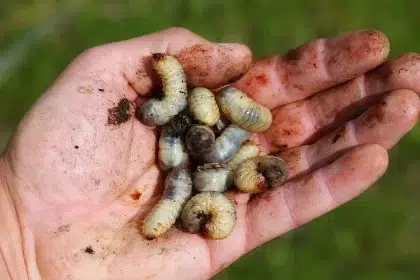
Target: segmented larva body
[243, 111]
[212, 177]
[172, 152]
[203, 106]
[199, 139]
[211, 212]
[227, 144]
[221, 124]
[259, 173]
[246, 151]
[178, 189]
[156, 112]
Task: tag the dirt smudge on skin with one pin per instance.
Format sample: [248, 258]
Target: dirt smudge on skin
[89, 250]
[338, 135]
[136, 195]
[120, 113]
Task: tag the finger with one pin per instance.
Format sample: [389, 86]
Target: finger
[205, 63]
[300, 201]
[384, 123]
[313, 67]
[304, 121]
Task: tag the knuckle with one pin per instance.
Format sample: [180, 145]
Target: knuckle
[180, 31]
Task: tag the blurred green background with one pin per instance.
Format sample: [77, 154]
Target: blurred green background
[376, 236]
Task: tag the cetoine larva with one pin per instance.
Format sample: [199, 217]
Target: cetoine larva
[199, 139]
[246, 151]
[172, 152]
[211, 212]
[178, 189]
[259, 173]
[203, 106]
[212, 177]
[227, 144]
[157, 112]
[243, 111]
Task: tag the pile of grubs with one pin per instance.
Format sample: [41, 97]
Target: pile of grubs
[205, 150]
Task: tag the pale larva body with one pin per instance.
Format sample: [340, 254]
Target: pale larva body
[212, 177]
[156, 112]
[243, 111]
[178, 189]
[259, 173]
[227, 144]
[203, 106]
[172, 152]
[210, 212]
[246, 151]
[220, 125]
[199, 139]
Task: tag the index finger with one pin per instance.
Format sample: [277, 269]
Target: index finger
[313, 67]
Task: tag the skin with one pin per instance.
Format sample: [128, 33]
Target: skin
[56, 200]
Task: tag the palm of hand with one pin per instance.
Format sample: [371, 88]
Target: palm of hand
[85, 171]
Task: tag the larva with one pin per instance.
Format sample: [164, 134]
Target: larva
[178, 189]
[259, 173]
[156, 112]
[212, 177]
[203, 106]
[227, 144]
[220, 125]
[172, 152]
[199, 139]
[211, 212]
[247, 150]
[243, 111]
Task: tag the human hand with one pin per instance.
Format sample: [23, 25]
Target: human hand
[80, 170]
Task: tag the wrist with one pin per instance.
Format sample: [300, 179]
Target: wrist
[12, 260]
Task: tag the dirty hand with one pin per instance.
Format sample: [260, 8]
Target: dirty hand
[80, 173]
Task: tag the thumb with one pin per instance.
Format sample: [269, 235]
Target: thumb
[206, 64]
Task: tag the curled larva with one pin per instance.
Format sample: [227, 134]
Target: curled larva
[243, 111]
[203, 106]
[227, 144]
[178, 189]
[211, 212]
[259, 173]
[172, 152]
[199, 139]
[212, 177]
[156, 112]
[246, 151]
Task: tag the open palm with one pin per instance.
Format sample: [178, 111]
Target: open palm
[82, 172]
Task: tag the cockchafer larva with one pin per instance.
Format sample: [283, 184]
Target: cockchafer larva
[243, 111]
[246, 151]
[172, 152]
[259, 173]
[211, 212]
[227, 144]
[178, 189]
[199, 139]
[212, 177]
[157, 112]
[220, 125]
[203, 106]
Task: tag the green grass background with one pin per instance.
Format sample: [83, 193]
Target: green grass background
[376, 236]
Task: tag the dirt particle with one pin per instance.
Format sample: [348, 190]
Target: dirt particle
[84, 90]
[120, 113]
[76, 147]
[337, 136]
[89, 250]
[101, 89]
[135, 195]
[158, 56]
[283, 146]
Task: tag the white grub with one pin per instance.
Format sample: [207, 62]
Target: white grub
[221, 124]
[203, 106]
[178, 189]
[199, 139]
[156, 112]
[227, 144]
[243, 111]
[212, 177]
[172, 152]
[210, 212]
[246, 151]
[259, 173]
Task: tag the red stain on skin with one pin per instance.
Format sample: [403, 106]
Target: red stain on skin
[262, 186]
[135, 195]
